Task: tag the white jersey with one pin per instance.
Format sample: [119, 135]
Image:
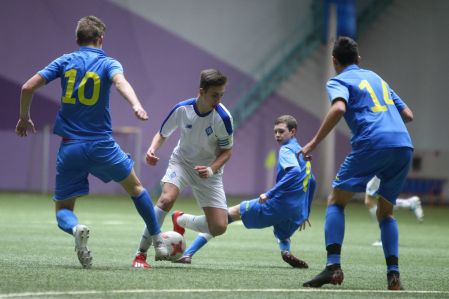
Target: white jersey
[202, 135]
[373, 186]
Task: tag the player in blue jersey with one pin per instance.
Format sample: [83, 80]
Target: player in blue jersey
[204, 147]
[84, 125]
[285, 207]
[381, 146]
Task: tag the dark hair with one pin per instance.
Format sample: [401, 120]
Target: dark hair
[289, 120]
[89, 29]
[212, 77]
[345, 51]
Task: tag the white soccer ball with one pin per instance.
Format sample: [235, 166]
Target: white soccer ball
[175, 243]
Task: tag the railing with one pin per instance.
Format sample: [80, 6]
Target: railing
[306, 44]
[262, 89]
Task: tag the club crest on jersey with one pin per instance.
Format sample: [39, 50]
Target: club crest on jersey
[209, 130]
[189, 126]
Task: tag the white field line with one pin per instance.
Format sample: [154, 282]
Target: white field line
[149, 291]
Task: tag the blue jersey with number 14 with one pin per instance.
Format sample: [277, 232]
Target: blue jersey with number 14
[371, 114]
[86, 78]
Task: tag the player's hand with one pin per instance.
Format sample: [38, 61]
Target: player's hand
[204, 171]
[151, 157]
[140, 113]
[303, 225]
[23, 125]
[306, 150]
[263, 198]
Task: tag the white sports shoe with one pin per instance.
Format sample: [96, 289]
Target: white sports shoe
[83, 253]
[161, 250]
[417, 208]
[377, 243]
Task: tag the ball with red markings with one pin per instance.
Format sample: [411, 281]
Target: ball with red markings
[175, 243]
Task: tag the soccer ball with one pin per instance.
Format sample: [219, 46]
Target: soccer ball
[175, 243]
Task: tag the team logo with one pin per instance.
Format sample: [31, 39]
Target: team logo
[173, 175]
[209, 130]
[188, 126]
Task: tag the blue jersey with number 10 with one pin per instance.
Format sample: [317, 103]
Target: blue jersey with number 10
[371, 114]
[86, 78]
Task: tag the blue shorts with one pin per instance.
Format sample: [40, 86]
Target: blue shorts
[390, 165]
[77, 159]
[257, 215]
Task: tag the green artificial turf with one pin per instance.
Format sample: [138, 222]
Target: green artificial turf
[37, 260]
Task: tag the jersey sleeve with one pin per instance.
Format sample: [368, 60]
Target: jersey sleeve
[287, 158]
[225, 131]
[170, 123]
[287, 180]
[398, 102]
[53, 70]
[114, 68]
[336, 90]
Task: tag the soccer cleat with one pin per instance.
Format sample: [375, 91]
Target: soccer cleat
[293, 260]
[140, 261]
[83, 253]
[176, 227]
[161, 250]
[417, 208]
[377, 243]
[394, 281]
[331, 274]
[185, 259]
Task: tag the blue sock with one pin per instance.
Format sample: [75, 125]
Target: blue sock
[67, 220]
[196, 245]
[284, 245]
[334, 231]
[144, 206]
[390, 236]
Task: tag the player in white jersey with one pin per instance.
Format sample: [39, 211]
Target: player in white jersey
[412, 203]
[198, 159]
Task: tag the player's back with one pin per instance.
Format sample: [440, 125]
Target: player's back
[370, 111]
[86, 78]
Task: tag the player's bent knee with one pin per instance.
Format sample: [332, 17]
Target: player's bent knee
[216, 230]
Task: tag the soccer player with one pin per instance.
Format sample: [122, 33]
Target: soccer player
[197, 161]
[285, 207]
[84, 124]
[381, 146]
[412, 203]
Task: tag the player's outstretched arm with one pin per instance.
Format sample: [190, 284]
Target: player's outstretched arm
[26, 96]
[127, 92]
[334, 115]
[151, 157]
[407, 115]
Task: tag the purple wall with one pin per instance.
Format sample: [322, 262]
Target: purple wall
[162, 67]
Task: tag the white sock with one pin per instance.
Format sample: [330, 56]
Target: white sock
[160, 215]
[196, 223]
[206, 236]
[403, 203]
[145, 241]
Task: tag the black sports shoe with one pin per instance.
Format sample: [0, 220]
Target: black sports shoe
[331, 274]
[293, 260]
[394, 281]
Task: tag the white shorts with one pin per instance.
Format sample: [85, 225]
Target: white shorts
[207, 192]
[373, 186]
